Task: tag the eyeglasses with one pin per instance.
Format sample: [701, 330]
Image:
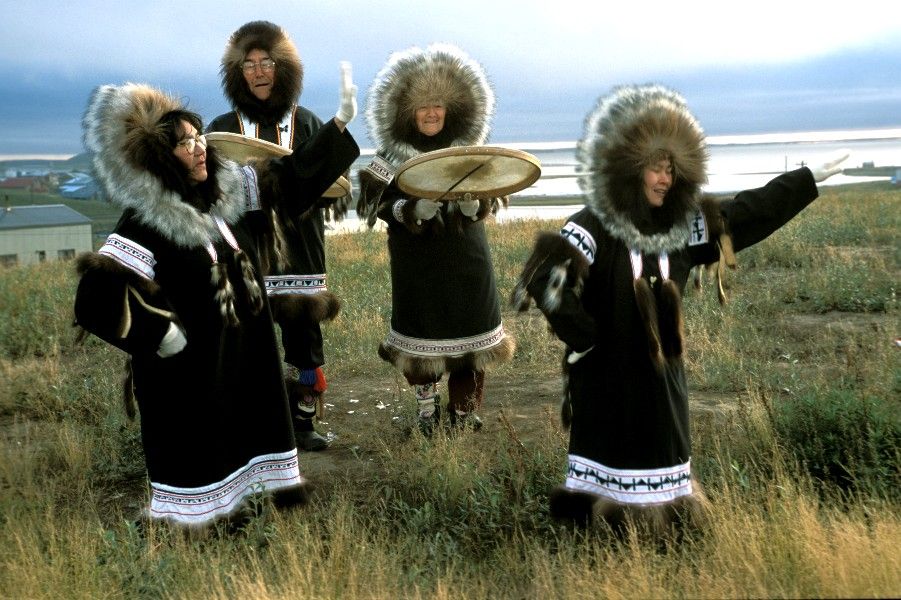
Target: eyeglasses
[190, 143]
[267, 64]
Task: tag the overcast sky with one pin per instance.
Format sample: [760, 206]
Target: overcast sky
[748, 67]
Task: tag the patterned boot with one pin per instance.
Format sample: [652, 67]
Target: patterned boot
[304, 395]
[429, 407]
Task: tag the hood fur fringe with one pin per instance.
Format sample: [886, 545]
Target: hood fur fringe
[286, 88]
[412, 78]
[626, 130]
[120, 127]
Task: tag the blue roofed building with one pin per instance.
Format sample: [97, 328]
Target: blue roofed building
[80, 186]
[34, 234]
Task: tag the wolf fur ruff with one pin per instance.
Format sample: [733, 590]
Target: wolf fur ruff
[121, 130]
[288, 84]
[412, 78]
[625, 131]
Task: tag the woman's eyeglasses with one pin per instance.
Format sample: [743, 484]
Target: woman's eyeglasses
[190, 143]
[267, 64]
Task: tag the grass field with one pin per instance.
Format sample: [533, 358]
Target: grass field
[796, 425]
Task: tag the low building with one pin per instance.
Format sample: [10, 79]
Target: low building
[33, 234]
[80, 186]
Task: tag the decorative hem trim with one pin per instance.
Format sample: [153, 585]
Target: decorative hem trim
[278, 285]
[454, 347]
[130, 254]
[629, 486]
[201, 505]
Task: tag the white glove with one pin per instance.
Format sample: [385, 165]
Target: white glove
[574, 356]
[173, 342]
[347, 109]
[830, 168]
[470, 208]
[425, 209]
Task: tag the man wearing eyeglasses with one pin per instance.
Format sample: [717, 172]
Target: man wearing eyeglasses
[262, 77]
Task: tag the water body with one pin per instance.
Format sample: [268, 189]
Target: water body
[736, 163]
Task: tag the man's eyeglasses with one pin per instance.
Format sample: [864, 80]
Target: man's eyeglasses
[190, 143]
[267, 64]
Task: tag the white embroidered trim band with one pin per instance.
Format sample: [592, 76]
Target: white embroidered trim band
[398, 210]
[251, 189]
[381, 169]
[629, 486]
[134, 256]
[455, 347]
[195, 506]
[697, 230]
[581, 239]
[277, 285]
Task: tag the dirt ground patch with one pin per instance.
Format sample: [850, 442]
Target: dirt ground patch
[360, 416]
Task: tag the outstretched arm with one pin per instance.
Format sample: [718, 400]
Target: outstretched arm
[753, 215]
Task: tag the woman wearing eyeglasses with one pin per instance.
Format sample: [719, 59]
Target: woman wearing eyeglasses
[262, 77]
[178, 287]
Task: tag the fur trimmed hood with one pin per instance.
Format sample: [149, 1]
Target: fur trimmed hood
[121, 129]
[288, 84]
[623, 133]
[414, 77]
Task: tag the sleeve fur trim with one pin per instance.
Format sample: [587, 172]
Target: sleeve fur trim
[567, 266]
[316, 308]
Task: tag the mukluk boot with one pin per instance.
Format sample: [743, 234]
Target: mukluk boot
[305, 397]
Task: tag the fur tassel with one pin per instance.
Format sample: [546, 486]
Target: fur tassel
[571, 269]
[371, 189]
[672, 323]
[647, 306]
[225, 294]
[337, 210]
[553, 293]
[254, 293]
[128, 391]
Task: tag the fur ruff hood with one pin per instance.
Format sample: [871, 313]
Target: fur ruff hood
[622, 134]
[267, 36]
[120, 128]
[414, 77]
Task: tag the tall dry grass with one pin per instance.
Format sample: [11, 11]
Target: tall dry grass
[802, 466]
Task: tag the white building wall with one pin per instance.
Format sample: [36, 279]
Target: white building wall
[55, 243]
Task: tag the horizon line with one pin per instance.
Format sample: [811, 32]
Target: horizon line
[836, 135]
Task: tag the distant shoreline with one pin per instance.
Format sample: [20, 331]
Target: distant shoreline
[838, 135]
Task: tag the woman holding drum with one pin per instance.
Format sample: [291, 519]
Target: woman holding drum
[432, 182]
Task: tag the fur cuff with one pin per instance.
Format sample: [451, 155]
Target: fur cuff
[315, 308]
[568, 268]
